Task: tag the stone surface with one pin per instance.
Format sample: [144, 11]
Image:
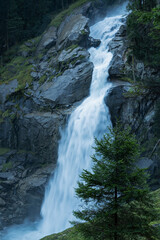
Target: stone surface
[118, 47]
[72, 86]
[48, 39]
[7, 89]
[74, 30]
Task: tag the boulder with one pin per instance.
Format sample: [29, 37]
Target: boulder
[72, 86]
[48, 39]
[73, 30]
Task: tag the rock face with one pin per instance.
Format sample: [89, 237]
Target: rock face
[48, 39]
[74, 30]
[118, 47]
[30, 120]
[72, 86]
[25, 170]
[137, 113]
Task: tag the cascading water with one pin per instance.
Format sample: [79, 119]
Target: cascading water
[90, 119]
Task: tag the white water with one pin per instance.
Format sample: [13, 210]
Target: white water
[90, 119]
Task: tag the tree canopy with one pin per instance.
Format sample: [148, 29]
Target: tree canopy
[116, 200]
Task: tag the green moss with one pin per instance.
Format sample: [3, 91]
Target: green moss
[83, 32]
[72, 47]
[69, 234]
[19, 67]
[59, 18]
[23, 151]
[7, 166]
[77, 59]
[6, 114]
[42, 79]
[1, 120]
[4, 151]
[59, 74]
[13, 116]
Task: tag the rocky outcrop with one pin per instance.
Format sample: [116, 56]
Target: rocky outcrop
[131, 108]
[48, 39]
[32, 142]
[118, 46]
[31, 117]
[74, 30]
[137, 113]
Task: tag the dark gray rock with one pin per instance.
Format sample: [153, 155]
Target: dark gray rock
[74, 30]
[72, 86]
[7, 89]
[136, 112]
[2, 202]
[48, 39]
[68, 56]
[118, 47]
[94, 42]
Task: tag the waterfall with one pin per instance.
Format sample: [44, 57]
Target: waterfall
[90, 119]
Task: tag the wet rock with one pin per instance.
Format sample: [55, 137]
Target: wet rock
[94, 42]
[118, 47]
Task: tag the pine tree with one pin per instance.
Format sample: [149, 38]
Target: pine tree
[117, 202]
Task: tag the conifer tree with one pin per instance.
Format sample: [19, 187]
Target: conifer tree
[117, 202]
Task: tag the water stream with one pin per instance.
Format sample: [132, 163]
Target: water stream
[90, 119]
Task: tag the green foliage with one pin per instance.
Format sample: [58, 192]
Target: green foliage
[156, 196]
[117, 203]
[42, 79]
[157, 120]
[142, 5]
[7, 166]
[143, 28]
[19, 68]
[6, 114]
[72, 47]
[69, 234]
[4, 151]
